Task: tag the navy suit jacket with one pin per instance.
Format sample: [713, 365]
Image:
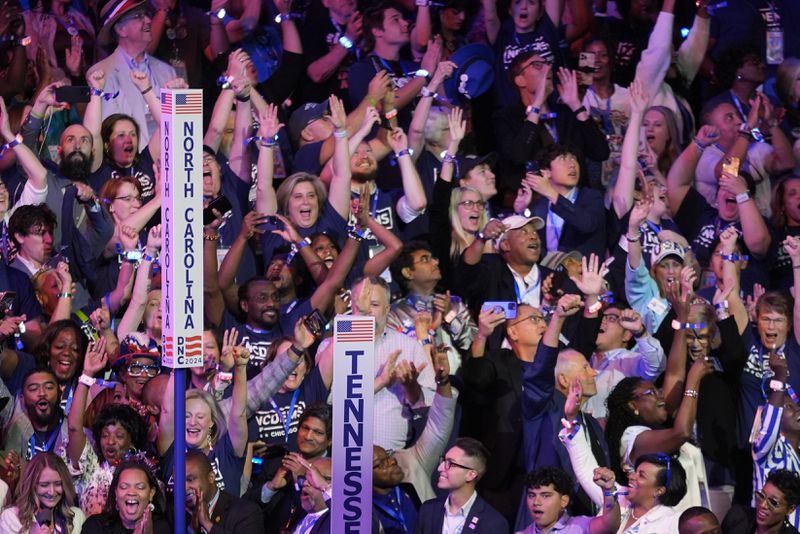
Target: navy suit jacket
[233, 515]
[584, 226]
[482, 518]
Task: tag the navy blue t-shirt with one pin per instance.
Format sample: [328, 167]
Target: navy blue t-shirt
[329, 222]
[269, 422]
[362, 72]
[142, 170]
[226, 465]
[306, 159]
[256, 340]
[25, 302]
[509, 44]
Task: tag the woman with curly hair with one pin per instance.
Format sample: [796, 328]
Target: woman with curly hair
[135, 503]
[62, 350]
[45, 496]
[637, 425]
[117, 431]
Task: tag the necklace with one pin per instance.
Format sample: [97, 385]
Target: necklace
[633, 514]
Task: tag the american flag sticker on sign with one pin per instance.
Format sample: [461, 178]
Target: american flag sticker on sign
[355, 330]
[181, 104]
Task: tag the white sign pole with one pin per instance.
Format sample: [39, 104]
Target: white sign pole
[353, 382]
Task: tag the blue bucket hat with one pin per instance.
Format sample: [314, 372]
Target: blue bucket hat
[474, 73]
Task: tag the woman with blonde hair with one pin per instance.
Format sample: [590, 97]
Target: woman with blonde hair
[45, 500]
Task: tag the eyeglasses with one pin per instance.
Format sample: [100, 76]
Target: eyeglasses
[448, 463]
[135, 16]
[129, 198]
[536, 64]
[208, 160]
[534, 318]
[138, 369]
[611, 317]
[469, 204]
[770, 322]
[772, 502]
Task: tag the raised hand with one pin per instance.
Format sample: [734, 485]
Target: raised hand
[397, 140]
[96, 357]
[176, 83]
[379, 85]
[337, 118]
[591, 280]
[573, 403]
[141, 80]
[679, 300]
[74, 55]
[154, 238]
[604, 477]
[371, 117]
[728, 238]
[568, 305]
[707, 134]
[792, 246]
[10, 468]
[386, 375]
[302, 335]
[688, 278]
[227, 359]
[443, 71]
[101, 317]
[488, 320]
[493, 229]
[639, 214]
[568, 88]
[638, 97]
[631, 321]
[5, 123]
[735, 185]
[441, 363]
[354, 27]
[288, 233]
[250, 223]
[457, 126]
[432, 55]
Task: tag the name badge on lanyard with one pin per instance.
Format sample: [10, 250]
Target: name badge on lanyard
[772, 21]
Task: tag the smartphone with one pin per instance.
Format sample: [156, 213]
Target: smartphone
[586, 66]
[731, 165]
[44, 517]
[509, 308]
[532, 167]
[315, 323]
[273, 451]
[73, 94]
[221, 204]
[6, 301]
[271, 222]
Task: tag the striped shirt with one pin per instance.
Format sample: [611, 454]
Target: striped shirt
[771, 451]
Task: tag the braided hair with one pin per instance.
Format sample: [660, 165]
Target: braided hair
[620, 417]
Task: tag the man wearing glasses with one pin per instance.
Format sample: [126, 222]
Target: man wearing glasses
[541, 119]
[463, 510]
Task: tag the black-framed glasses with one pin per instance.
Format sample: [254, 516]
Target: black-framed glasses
[448, 463]
[611, 317]
[772, 502]
[534, 318]
[469, 204]
[138, 369]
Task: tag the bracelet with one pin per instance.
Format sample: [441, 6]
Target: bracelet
[223, 376]
[372, 102]
[102, 94]
[147, 257]
[426, 341]
[288, 16]
[346, 42]
[721, 305]
[480, 236]
[571, 426]
[392, 113]
[425, 92]
[300, 352]
[263, 141]
[691, 393]
[734, 257]
[87, 380]
[677, 325]
[633, 239]
[613, 493]
[422, 73]
[210, 237]
[700, 146]
[355, 234]
[224, 81]
[147, 90]
[596, 307]
[240, 98]
[404, 152]
[340, 134]
[532, 109]
[11, 144]
[741, 198]
[303, 243]
[65, 295]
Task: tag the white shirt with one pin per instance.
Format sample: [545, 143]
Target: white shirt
[308, 522]
[528, 286]
[555, 224]
[454, 523]
[658, 520]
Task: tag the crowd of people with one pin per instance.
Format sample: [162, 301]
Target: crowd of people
[576, 224]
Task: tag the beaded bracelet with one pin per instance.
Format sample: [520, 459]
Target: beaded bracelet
[102, 94]
[677, 325]
[11, 144]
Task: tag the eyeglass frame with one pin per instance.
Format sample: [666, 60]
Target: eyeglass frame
[469, 204]
[448, 464]
[772, 503]
[531, 63]
[532, 317]
[143, 368]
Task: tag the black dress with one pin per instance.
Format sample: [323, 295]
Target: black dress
[111, 524]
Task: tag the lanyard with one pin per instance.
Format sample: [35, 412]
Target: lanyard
[522, 294]
[287, 421]
[49, 442]
[738, 104]
[71, 388]
[395, 513]
[340, 32]
[551, 129]
[653, 226]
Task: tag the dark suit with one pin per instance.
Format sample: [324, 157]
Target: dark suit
[584, 226]
[233, 515]
[482, 518]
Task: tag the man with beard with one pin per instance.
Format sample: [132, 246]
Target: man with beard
[38, 424]
[83, 227]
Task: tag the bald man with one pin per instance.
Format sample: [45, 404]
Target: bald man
[698, 520]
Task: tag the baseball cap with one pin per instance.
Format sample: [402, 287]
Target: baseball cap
[667, 248]
[468, 162]
[556, 258]
[305, 115]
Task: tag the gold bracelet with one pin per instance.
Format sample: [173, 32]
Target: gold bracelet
[690, 393]
[210, 237]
